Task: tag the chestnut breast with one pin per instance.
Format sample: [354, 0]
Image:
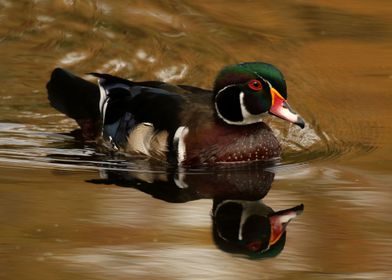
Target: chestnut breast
[218, 142]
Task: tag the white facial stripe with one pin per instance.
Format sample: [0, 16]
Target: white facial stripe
[179, 137]
[248, 117]
[249, 208]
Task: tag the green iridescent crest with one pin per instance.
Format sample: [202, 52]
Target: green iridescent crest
[243, 72]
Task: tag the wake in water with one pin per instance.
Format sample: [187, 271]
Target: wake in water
[36, 146]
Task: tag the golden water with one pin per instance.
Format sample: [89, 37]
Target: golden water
[337, 59]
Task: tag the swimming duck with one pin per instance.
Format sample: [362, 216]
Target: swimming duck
[180, 124]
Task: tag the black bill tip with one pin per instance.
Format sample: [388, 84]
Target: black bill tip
[300, 122]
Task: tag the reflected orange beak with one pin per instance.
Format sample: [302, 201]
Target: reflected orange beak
[280, 220]
[281, 109]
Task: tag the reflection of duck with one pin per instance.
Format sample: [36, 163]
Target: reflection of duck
[241, 222]
[250, 182]
[251, 227]
[180, 124]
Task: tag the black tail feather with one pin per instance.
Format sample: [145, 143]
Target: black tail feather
[76, 98]
[73, 96]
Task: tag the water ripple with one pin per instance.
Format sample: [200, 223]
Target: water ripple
[33, 145]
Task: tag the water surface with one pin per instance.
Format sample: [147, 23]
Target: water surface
[60, 218]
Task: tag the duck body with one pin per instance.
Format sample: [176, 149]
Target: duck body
[179, 124]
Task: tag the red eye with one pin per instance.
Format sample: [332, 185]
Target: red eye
[255, 85]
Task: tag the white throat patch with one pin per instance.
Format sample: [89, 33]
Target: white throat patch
[248, 117]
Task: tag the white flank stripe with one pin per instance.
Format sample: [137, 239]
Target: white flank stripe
[103, 95]
[180, 181]
[179, 136]
[103, 100]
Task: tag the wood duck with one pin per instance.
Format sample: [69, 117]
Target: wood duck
[183, 125]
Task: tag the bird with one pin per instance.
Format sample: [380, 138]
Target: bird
[182, 125]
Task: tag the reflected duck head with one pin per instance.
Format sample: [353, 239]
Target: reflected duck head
[251, 228]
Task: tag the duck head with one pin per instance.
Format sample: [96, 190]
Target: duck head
[245, 92]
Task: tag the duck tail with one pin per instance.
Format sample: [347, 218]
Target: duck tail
[76, 98]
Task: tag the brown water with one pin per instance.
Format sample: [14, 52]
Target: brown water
[61, 219]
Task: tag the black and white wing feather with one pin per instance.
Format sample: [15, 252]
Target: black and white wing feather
[140, 118]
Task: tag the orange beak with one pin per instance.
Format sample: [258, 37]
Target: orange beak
[281, 109]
